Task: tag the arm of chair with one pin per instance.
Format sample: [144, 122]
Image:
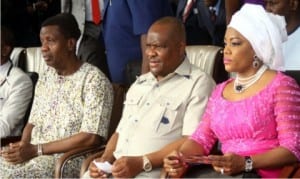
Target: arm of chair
[88, 160]
[61, 162]
[297, 173]
[291, 171]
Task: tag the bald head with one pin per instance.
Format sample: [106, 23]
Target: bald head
[172, 26]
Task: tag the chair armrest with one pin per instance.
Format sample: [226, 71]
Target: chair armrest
[291, 171]
[297, 173]
[89, 159]
[61, 162]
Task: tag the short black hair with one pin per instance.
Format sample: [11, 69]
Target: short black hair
[66, 23]
[7, 37]
[176, 26]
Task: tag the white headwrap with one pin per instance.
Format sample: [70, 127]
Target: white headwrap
[265, 32]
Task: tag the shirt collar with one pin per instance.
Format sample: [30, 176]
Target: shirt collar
[184, 69]
[216, 7]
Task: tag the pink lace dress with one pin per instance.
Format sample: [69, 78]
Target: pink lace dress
[256, 124]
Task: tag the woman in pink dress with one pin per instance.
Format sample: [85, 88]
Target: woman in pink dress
[256, 116]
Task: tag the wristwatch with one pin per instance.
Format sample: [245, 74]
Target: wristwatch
[147, 166]
[248, 164]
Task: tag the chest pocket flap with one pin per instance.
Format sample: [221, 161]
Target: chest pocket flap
[170, 103]
[133, 100]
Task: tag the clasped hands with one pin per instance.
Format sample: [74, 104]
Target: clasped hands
[18, 152]
[176, 164]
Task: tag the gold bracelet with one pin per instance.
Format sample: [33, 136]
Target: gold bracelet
[40, 149]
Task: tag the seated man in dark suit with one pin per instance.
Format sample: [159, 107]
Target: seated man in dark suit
[205, 21]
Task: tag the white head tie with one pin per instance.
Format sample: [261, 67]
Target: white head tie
[265, 32]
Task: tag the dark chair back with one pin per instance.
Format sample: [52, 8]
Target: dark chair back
[116, 114]
[294, 74]
[34, 77]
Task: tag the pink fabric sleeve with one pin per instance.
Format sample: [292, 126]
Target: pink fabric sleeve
[203, 135]
[287, 112]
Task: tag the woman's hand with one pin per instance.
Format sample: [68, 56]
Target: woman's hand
[174, 166]
[228, 164]
[19, 152]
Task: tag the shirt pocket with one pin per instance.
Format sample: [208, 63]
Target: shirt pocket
[131, 105]
[170, 107]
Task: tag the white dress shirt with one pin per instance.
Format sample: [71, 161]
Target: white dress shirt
[291, 51]
[159, 112]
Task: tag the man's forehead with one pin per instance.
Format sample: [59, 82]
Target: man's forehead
[51, 29]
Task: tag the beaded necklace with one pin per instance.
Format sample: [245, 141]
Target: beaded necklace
[241, 84]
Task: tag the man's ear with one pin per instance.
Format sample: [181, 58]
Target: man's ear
[182, 47]
[6, 50]
[72, 44]
[294, 5]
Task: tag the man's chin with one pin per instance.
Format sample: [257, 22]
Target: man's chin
[49, 63]
[154, 71]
